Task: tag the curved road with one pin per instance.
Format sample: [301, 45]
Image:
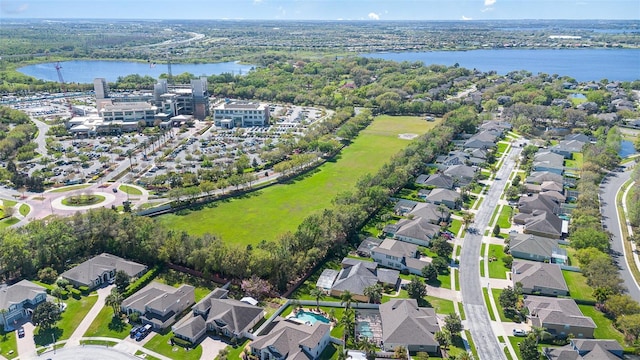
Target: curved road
[473, 299]
[608, 191]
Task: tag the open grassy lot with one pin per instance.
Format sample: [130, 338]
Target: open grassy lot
[605, 329]
[497, 270]
[577, 284]
[160, 344]
[71, 318]
[8, 345]
[105, 325]
[272, 211]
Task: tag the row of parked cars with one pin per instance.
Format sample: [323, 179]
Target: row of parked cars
[140, 332]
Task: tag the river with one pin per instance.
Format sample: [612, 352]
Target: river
[84, 71]
[580, 64]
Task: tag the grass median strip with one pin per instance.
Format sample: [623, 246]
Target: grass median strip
[485, 293]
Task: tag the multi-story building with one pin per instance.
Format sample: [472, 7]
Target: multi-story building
[241, 114]
[101, 88]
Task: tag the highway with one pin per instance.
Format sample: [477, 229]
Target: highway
[608, 190]
[475, 309]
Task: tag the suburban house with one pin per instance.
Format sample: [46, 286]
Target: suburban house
[326, 279]
[403, 206]
[546, 187]
[560, 317]
[364, 249]
[228, 317]
[454, 158]
[538, 177]
[541, 223]
[482, 140]
[538, 202]
[449, 198]
[537, 248]
[19, 300]
[417, 231]
[433, 213]
[462, 175]
[586, 349]
[438, 180]
[357, 275]
[399, 255]
[406, 324]
[548, 161]
[291, 340]
[159, 304]
[477, 153]
[539, 278]
[566, 148]
[100, 269]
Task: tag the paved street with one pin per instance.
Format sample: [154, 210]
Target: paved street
[608, 191]
[476, 310]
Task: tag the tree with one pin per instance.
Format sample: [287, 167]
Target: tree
[440, 264]
[114, 300]
[46, 315]
[400, 352]
[429, 272]
[416, 288]
[589, 237]
[540, 333]
[508, 298]
[443, 338]
[618, 305]
[318, 295]
[496, 230]
[467, 218]
[374, 293]
[346, 298]
[47, 275]
[4, 312]
[441, 247]
[348, 321]
[421, 355]
[368, 347]
[256, 287]
[529, 348]
[453, 324]
[122, 280]
[630, 326]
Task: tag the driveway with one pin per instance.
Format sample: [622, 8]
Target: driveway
[26, 344]
[473, 299]
[211, 347]
[608, 191]
[74, 339]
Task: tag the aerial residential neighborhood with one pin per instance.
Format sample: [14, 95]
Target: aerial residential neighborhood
[276, 190]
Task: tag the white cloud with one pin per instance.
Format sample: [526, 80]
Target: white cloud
[466, 18]
[487, 9]
[489, 2]
[373, 16]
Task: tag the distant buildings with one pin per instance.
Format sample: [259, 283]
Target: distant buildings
[241, 114]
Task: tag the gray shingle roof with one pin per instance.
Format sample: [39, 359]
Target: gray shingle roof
[205, 304]
[538, 177]
[157, 297]
[532, 244]
[234, 315]
[439, 195]
[528, 204]
[190, 328]
[418, 228]
[545, 223]
[355, 279]
[438, 180]
[19, 292]
[91, 269]
[286, 337]
[430, 212]
[548, 310]
[538, 274]
[461, 171]
[403, 322]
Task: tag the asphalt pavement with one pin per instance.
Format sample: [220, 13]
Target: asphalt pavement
[608, 191]
[476, 311]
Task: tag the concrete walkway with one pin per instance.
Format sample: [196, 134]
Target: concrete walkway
[74, 339]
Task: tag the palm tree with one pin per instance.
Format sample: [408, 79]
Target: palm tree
[368, 347]
[318, 295]
[4, 314]
[346, 298]
[348, 321]
[374, 293]
[540, 333]
[343, 354]
[400, 352]
[114, 300]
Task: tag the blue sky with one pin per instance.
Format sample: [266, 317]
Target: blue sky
[323, 9]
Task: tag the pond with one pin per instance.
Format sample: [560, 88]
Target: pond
[626, 149]
[84, 71]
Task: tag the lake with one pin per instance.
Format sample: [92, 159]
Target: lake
[580, 64]
[84, 71]
[626, 149]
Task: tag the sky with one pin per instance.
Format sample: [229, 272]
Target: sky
[322, 9]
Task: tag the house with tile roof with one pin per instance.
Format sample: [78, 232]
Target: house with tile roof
[292, 340]
[100, 269]
[560, 317]
[539, 278]
[159, 304]
[19, 300]
[406, 324]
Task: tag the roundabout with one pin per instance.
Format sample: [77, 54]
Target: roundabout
[92, 200]
[83, 200]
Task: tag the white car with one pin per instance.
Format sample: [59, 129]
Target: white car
[519, 332]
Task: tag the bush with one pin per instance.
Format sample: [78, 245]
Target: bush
[47, 275]
[84, 290]
[181, 342]
[76, 294]
[142, 281]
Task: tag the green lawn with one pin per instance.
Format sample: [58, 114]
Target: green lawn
[24, 209]
[443, 281]
[502, 147]
[441, 306]
[493, 216]
[605, 329]
[455, 225]
[329, 353]
[497, 270]
[160, 344]
[514, 342]
[71, 318]
[130, 190]
[105, 325]
[471, 344]
[481, 268]
[8, 345]
[69, 188]
[280, 208]
[485, 292]
[8, 222]
[577, 284]
[234, 353]
[457, 278]
[496, 297]
[461, 309]
[8, 203]
[505, 215]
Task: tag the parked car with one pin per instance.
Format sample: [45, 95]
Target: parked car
[134, 331]
[143, 332]
[21, 332]
[519, 332]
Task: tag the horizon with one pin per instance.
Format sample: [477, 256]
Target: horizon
[323, 10]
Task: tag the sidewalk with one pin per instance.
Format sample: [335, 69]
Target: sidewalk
[74, 339]
[634, 249]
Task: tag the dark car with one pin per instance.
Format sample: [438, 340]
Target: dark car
[133, 331]
[115, 190]
[21, 332]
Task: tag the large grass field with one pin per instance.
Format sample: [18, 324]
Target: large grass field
[267, 213]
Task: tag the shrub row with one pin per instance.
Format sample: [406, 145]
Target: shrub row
[142, 281]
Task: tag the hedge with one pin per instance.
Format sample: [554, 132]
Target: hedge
[181, 342]
[84, 290]
[142, 281]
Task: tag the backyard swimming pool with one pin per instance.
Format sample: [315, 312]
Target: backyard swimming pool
[310, 318]
[364, 329]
